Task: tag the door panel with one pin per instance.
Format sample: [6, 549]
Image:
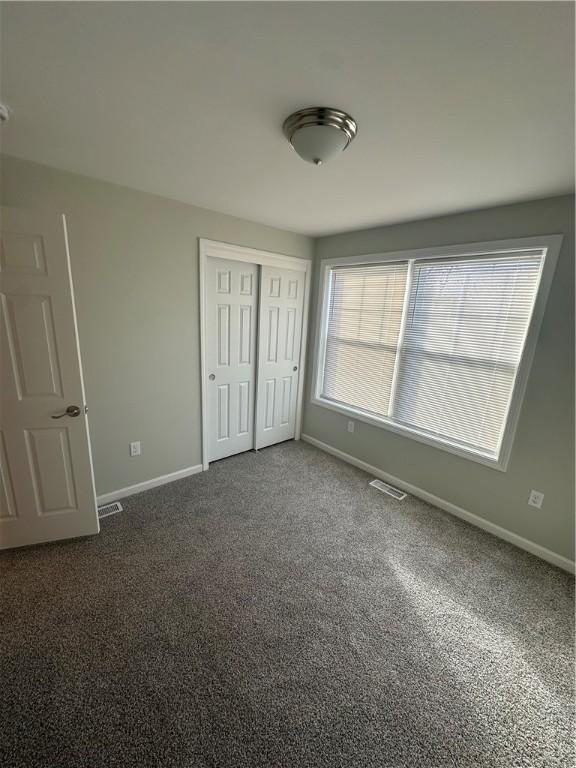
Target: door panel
[286, 400]
[245, 333]
[231, 313]
[50, 463]
[46, 481]
[272, 314]
[30, 333]
[7, 503]
[244, 409]
[281, 305]
[223, 411]
[223, 335]
[22, 252]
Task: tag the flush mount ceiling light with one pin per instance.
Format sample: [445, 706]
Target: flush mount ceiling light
[319, 133]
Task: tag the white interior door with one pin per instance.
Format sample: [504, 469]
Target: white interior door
[230, 340]
[280, 333]
[46, 482]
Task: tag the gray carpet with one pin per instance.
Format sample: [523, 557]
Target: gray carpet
[277, 611]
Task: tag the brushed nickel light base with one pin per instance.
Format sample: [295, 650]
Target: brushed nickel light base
[319, 133]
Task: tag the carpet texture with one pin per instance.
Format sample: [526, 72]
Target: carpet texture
[277, 611]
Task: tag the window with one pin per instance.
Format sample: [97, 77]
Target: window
[364, 323]
[431, 346]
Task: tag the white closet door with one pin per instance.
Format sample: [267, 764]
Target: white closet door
[280, 333]
[231, 317]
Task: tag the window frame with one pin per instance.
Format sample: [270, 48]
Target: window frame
[551, 244]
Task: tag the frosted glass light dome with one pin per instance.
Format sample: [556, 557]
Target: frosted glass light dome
[319, 133]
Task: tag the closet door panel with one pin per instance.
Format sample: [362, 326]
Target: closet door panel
[231, 312]
[280, 333]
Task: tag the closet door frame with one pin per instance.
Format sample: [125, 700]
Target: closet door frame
[214, 249]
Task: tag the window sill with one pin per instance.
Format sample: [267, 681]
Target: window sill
[443, 445]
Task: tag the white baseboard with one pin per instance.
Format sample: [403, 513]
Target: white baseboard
[130, 490]
[479, 522]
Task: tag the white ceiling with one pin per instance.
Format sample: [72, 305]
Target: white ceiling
[459, 105]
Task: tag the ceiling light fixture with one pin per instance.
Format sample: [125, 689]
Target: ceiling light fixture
[319, 133]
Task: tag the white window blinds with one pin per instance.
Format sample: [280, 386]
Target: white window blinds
[364, 319]
[432, 345]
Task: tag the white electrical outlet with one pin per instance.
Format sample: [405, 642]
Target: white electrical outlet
[135, 448]
[535, 499]
[351, 426]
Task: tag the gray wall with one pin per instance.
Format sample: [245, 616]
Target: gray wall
[135, 270]
[543, 451]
